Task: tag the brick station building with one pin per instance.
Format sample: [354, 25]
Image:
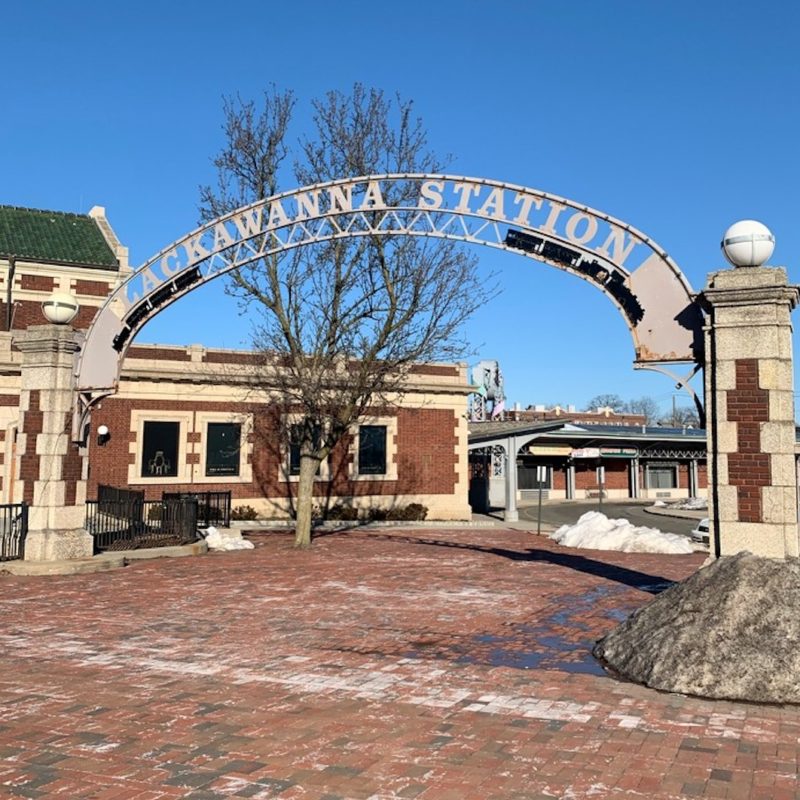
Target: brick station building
[185, 419]
[638, 461]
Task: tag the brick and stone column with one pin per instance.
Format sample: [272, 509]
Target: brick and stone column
[750, 410]
[51, 469]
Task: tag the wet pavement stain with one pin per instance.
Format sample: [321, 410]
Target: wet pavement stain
[562, 640]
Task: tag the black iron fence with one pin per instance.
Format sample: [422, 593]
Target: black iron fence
[124, 520]
[121, 519]
[213, 508]
[109, 496]
[13, 530]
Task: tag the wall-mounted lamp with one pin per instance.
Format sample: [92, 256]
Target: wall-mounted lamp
[103, 434]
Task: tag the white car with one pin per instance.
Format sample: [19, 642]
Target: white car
[700, 533]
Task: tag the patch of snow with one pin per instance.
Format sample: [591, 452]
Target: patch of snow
[660, 504]
[691, 504]
[226, 540]
[596, 531]
[107, 747]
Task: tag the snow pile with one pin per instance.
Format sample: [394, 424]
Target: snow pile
[595, 531]
[226, 540]
[691, 504]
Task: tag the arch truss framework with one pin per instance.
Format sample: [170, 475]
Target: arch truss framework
[647, 287]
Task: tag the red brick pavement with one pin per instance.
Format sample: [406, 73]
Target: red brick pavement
[439, 665]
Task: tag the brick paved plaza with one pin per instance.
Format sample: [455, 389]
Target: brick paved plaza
[441, 665]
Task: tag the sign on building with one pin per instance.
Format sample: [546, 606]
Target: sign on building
[586, 452]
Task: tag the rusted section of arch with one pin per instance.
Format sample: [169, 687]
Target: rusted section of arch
[651, 293]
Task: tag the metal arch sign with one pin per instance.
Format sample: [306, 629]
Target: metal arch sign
[648, 288]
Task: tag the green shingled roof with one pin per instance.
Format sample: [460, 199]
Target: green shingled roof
[53, 236]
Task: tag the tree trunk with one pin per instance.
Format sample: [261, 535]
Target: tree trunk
[305, 497]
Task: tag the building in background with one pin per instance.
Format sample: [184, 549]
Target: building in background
[577, 462]
[595, 416]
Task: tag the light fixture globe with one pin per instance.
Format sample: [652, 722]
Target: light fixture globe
[60, 308]
[747, 243]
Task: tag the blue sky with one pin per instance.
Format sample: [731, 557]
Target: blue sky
[678, 117]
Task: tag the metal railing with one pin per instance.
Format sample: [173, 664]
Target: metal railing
[108, 496]
[13, 530]
[213, 508]
[128, 522]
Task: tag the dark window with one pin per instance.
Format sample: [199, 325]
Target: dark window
[294, 453]
[160, 449]
[372, 450]
[222, 448]
[662, 477]
[295, 434]
[528, 476]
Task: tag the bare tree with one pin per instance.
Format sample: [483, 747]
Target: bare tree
[340, 324]
[612, 401]
[681, 416]
[255, 148]
[646, 406]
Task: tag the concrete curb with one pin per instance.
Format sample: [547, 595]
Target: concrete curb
[700, 513]
[73, 566]
[197, 548]
[102, 562]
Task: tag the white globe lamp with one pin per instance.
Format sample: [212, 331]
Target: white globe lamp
[748, 243]
[60, 308]
[103, 434]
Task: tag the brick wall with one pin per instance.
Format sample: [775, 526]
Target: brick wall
[749, 468]
[91, 288]
[72, 467]
[435, 369]
[84, 317]
[32, 422]
[158, 353]
[36, 283]
[425, 452]
[226, 357]
[616, 474]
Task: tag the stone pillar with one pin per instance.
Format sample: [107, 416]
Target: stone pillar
[750, 409]
[633, 478]
[511, 514]
[570, 481]
[52, 470]
[694, 480]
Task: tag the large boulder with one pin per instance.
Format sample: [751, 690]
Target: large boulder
[731, 630]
